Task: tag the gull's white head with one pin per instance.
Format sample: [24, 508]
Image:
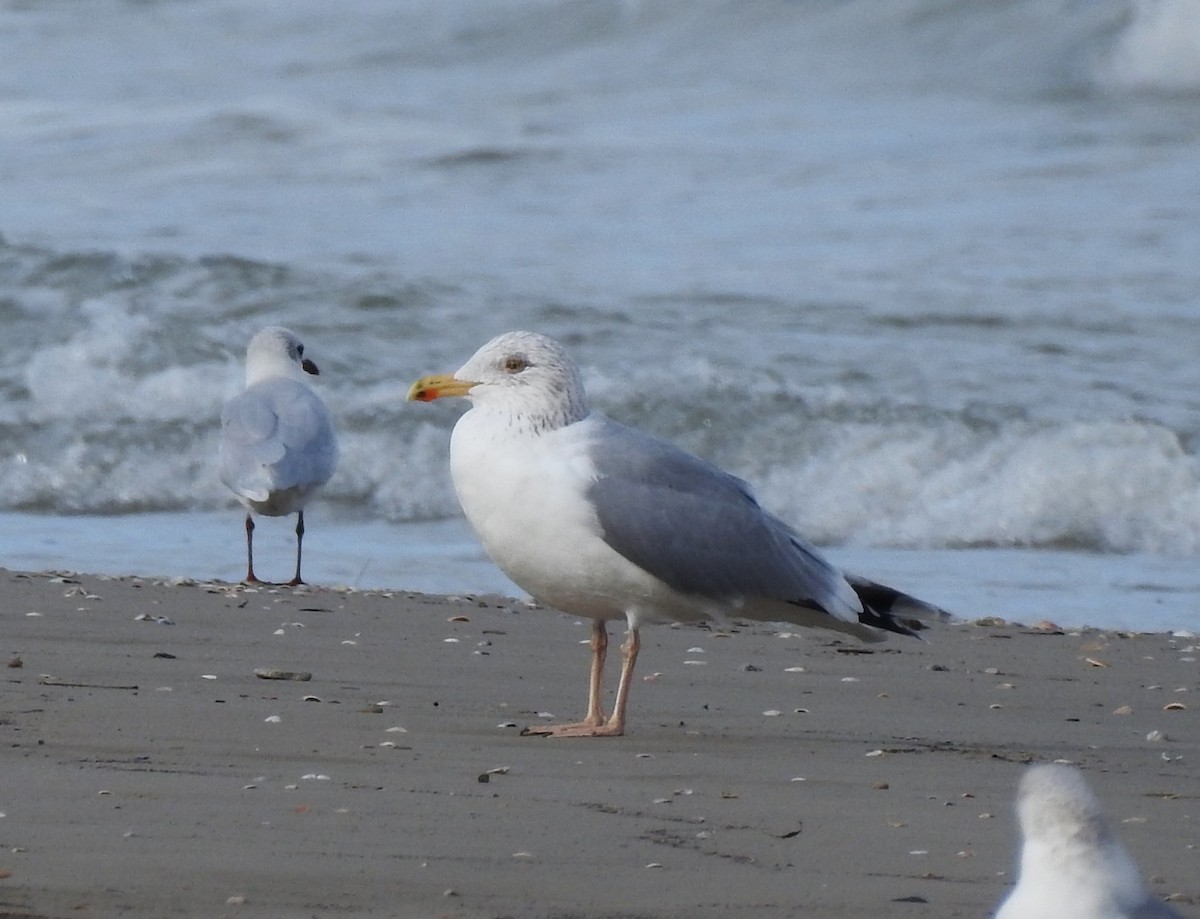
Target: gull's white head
[1072, 866]
[276, 352]
[522, 374]
[1054, 802]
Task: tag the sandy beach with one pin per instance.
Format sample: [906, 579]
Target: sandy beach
[152, 769]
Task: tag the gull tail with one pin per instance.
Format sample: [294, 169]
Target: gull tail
[893, 610]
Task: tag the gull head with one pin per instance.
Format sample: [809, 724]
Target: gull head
[1054, 803]
[521, 374]
[276, 352]
[1072, 866]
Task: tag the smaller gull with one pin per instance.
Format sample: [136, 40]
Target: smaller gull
[277, 441]
[1072, 866]
[606, 522]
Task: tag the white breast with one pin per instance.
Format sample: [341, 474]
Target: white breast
[525, 496]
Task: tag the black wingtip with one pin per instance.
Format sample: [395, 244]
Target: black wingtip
[880, 620]
[893, 610]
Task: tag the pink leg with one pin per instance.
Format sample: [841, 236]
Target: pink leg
[615, 726]
[595, 710]
[594, 724]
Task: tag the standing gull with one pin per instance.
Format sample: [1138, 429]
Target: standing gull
[1072, 866]
[603, 521]
[277, 442]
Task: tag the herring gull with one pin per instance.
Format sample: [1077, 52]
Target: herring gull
[1072, 866]
[277, 441]
[606, 522]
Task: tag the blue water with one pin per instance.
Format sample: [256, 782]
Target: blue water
[923, 271]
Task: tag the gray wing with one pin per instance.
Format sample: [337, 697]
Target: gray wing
[275, 435]
[700, 529]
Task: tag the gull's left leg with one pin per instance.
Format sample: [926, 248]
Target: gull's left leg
[595, 709]
[593, 722]
[299, 541]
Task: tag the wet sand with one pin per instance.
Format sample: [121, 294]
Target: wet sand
[149, 772]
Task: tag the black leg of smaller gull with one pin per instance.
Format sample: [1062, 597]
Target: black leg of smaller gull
[299, 540]
[250, 578]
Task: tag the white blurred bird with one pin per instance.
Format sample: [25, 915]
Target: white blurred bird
[603, 521]
[278, 446]
[1072, 866]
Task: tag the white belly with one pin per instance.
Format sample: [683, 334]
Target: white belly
[526, 499]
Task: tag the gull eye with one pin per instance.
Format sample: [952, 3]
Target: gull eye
[300, 349]
[515, 364]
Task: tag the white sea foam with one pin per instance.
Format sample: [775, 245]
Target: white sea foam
[1158, 49]
[102, 371]
[1109, 486]
[121, 398]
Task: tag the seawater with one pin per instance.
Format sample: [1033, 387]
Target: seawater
[923, 272]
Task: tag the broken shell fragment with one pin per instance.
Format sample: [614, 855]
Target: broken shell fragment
[274, 673]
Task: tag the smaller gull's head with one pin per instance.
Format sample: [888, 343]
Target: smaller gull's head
[523, 374]
[1055, 803]
[276, 352]
[1072, 866]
